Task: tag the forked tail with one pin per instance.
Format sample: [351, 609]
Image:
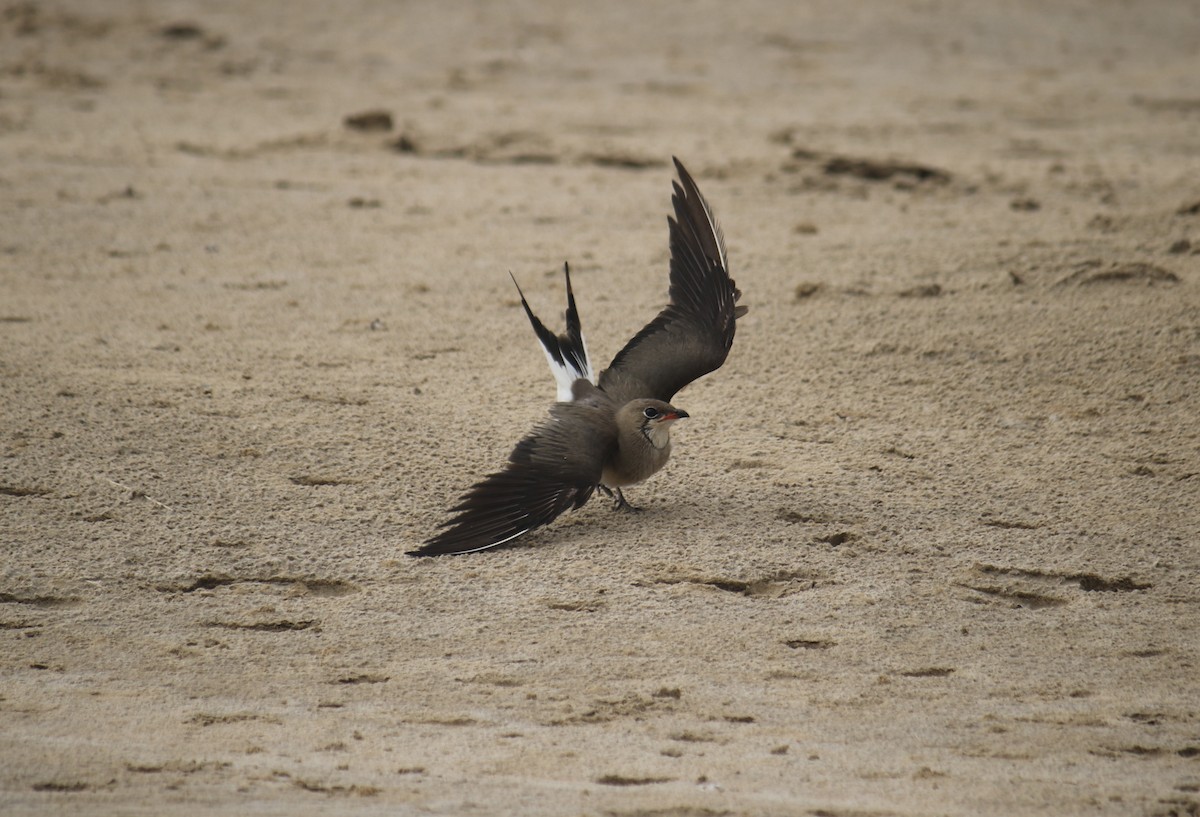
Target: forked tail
[566, 353]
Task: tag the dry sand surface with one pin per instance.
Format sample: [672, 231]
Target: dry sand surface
[929, 544]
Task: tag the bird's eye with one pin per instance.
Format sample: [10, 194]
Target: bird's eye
[650, 412]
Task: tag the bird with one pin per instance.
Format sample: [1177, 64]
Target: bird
[608, 432]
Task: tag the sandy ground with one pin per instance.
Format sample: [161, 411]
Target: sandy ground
[928, 545]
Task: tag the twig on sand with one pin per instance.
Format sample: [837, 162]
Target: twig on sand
[134, 493]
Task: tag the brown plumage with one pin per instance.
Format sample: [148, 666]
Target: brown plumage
[615, 431]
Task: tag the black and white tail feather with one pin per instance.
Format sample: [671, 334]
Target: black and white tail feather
[566, 353]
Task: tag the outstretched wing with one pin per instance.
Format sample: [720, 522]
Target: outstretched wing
[554, 469]
[692, 335]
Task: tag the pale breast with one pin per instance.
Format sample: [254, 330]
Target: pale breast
[634, 463]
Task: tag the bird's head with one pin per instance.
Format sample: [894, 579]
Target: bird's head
[653, 418]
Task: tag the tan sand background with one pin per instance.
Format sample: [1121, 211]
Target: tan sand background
[928, 545]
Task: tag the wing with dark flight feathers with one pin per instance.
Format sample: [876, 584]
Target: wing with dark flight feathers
[692, 335]
[554, 469]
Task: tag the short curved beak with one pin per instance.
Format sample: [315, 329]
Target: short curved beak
[677, 414]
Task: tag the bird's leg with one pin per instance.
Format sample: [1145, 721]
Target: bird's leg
[621, 504]
[618, 498]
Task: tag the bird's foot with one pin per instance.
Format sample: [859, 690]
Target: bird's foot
[621, 504]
